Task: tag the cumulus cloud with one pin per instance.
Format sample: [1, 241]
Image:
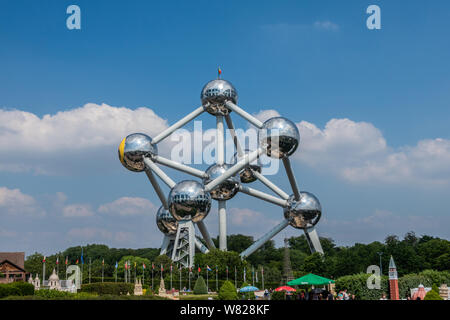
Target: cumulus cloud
[128, 206]
[42, 143]
[358, 152]
[14, 202]
[77, 210]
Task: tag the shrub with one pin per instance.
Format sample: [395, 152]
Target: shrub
[53, 294]
[200, 286]
[112, 288]
[278, 295]
[16, 289]
[357, 284]
[228, 291]
[432, 295]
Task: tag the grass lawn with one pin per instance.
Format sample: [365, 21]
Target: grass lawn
[198, 296]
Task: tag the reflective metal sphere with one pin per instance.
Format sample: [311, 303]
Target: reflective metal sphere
[189, 201]
[279, 137]
[246, 174]
[227, 189]
[166, 223]
[304, 213]
[133, 148]
[214, 95]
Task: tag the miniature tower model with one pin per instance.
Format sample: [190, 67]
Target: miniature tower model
[393, 280]
[287, 269]
[189, 201]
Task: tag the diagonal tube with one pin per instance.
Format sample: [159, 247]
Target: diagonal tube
[248, 158]
[290, 174]
[194, 114]
[161, 174]
[230, 126]
[269, 235]
[180, 167]
[202, 228]
[263, 196]
[270, 185]
[244, 114]
[157, 188]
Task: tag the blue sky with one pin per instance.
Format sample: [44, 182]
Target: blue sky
[372, 107]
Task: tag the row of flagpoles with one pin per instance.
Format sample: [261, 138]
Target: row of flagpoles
[127, 272]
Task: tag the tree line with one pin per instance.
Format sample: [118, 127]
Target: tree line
[412, 254]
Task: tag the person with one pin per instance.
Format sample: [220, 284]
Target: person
[353, 297]
[302, 296]
[383, 297]
[346, 296]
[330, 296]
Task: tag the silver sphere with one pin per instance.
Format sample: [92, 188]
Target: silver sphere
[246, 175]
[279, 137]
[227, 189]
[133, 148]
[214, 95]
[166, 223]
[189, 201]
[303, 213]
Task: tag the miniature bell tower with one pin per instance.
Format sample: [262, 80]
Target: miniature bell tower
[393, 280]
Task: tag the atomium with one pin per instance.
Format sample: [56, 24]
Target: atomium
[189, 201]
[133, 148]
[279, 137]
[303, 213]
[166, 223]
[214, 95]
[227, 189]
[247, 175]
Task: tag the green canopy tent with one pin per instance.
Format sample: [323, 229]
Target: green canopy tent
[310, 279]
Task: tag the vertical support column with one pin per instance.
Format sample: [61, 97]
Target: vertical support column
[222, 225]
[222, 204]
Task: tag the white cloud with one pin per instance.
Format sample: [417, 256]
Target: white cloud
[264, 115]
[40, 144]
[128, 206]
[358, 152]
[90, 233]
[77, 210]
[326, 25]
[14, 202]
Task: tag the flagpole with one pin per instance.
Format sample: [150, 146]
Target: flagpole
[57, 266]
[103, 269]
[217, 280]
[171, 286]
[180, 278]
[43, 271]
[235, 277]
[66, 267]
[207, 287]
[262, 276]
[90, 262]
[153, 267]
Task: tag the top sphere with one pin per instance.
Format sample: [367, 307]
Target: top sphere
[189, 201]
[214, 95]
[279, 137]
[133, 148]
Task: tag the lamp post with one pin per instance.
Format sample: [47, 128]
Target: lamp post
[381, 266]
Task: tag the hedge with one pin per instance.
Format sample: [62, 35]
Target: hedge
[112, 288]
[357, 284]
[16, 289]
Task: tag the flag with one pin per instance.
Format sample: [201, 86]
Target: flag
[57, 260]
[153, 266]
[67, 261]
[162, 269]
[76, 262]
[126, 265]
[43, 260]
[103, 262]
[208, 268]
[227, 269]
[117, 264]
[219, 71]
[135, 264]
[217, 269]
[143, 266]
[171, 268]
[199, 269]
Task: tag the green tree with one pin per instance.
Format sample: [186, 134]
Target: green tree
[200, 286]
[228, 291]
